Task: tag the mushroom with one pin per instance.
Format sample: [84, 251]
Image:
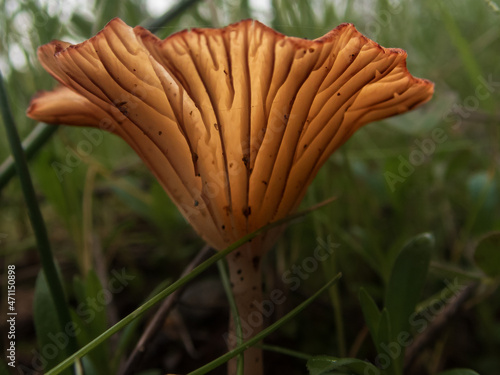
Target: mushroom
[233, 122]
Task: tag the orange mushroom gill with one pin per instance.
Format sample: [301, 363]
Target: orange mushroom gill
[233, 122]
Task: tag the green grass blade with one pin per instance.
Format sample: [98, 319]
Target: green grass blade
[33, 142]
[35, 216]
[43, 132]
[405, 287]
[493, 6]
[170, 15]
[465, 52]
[407, 280]
[176, 285]
[459, 371]
[324, 365]
[47, 326]
[234, 312]
[265, 332]
[487, 254]
[286, 351]
[371, 312]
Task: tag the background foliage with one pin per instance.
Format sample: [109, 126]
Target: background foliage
[433, 170]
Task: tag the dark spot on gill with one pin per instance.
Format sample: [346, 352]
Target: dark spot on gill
[194, 155]
[256, 262]
[160, 132]
[59, 48]
[245, 160]
[247, 211]
[122, 107]
[239, 271]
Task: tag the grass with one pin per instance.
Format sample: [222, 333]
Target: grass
[109, 212]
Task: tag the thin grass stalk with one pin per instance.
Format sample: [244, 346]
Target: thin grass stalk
[174, 286]
[170, 15]
[35, 215]
[43, 132]
[265, 332]
[234, 313]
[31, 144]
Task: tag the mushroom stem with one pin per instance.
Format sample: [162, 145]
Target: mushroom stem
[246, 281]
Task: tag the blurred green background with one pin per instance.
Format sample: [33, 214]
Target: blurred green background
[435, 170]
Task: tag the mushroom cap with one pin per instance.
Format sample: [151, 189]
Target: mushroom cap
[234, 122]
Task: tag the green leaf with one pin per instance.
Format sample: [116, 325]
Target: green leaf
[323, 365]
[52, 340]
[487, 254]
[384, 330]
[407, 280]
[371, 312]
[459, 371]
[403, 292]
[91, 311]
[97, 301]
